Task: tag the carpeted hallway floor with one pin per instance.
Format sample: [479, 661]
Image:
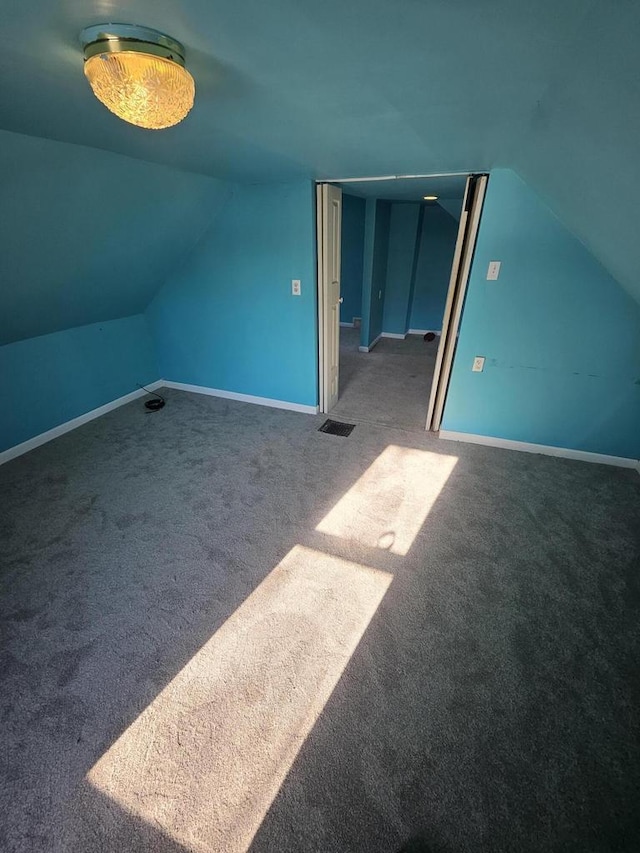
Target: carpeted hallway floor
[225, 631]
[389, 385]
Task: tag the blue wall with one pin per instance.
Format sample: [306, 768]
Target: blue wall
[226, 318]
[48, 380]
[403, 234]
[453, 206]
[353, 212]
[437, 246]
[87, 235]
[422, 241]
[379, 272]
[374, 282]
[367, 269]
[560, 336]
[579, 148]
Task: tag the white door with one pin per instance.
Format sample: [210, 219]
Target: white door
[465, 246]
[329, 206]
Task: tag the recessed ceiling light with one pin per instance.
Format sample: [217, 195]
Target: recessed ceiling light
[430, 197]
[138, 74]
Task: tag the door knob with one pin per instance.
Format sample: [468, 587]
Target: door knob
[341, 300]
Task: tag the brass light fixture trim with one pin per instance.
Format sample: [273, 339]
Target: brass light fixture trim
[138, 73]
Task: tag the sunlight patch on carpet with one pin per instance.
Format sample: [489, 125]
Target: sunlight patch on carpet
[205, 760]
[387, 507]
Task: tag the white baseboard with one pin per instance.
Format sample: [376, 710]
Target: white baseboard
[59, 430]
[544, 449]
[424, 332]
[347, 325]
[371, 345]
[393, 335]
[242, 398]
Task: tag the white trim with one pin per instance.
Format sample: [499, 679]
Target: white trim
[348, 325]
[371, 345]
[544, 449]
[320, 293]
[50, 434]
[446, 316]
[393, 335]
[424, 332]
[460, 274]
[61, 429]
[329, 257]
[242, 398]
[464, 174]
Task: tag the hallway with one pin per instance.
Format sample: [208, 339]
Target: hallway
[389, 385]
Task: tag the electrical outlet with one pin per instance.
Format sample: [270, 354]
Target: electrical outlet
[478, 364]
[494, 270]
[295, 287]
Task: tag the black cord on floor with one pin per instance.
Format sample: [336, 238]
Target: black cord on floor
[152, 405]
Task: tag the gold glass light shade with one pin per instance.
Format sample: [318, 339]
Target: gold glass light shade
[145, 90]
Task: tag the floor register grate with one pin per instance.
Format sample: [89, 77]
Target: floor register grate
[337, 428]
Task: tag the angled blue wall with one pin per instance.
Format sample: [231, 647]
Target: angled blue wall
[87, 235]
[579, 147]
[453, 206]
[403, 234]
[437, 246]
[353, 212]
[86, 239]
[51, 379]
[226, 319]
[560, 336]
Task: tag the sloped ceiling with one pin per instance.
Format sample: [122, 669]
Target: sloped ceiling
[580, 149]
[292, 88]
[88, 236]
[289, 89]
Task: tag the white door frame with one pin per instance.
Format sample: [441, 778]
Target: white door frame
[328, 289]
[458, 283]
[320, 296]
[464, 174]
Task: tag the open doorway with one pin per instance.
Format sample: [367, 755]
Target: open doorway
[396, 281]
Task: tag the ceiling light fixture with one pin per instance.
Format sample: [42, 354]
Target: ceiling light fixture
[430, 197]
[138, 74]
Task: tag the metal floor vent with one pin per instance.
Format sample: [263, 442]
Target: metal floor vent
[336, 428]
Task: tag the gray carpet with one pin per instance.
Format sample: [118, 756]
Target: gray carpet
[389, 385]
[225, 631]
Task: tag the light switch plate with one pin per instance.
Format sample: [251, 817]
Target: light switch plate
[295, 287]
[478, 364]
[494, 270]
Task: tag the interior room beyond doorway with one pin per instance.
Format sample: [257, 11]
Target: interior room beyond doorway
[390, 384]
[398, 240]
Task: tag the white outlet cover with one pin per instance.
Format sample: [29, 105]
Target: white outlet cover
[295, 287]
[494, 270]
[478, 364]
